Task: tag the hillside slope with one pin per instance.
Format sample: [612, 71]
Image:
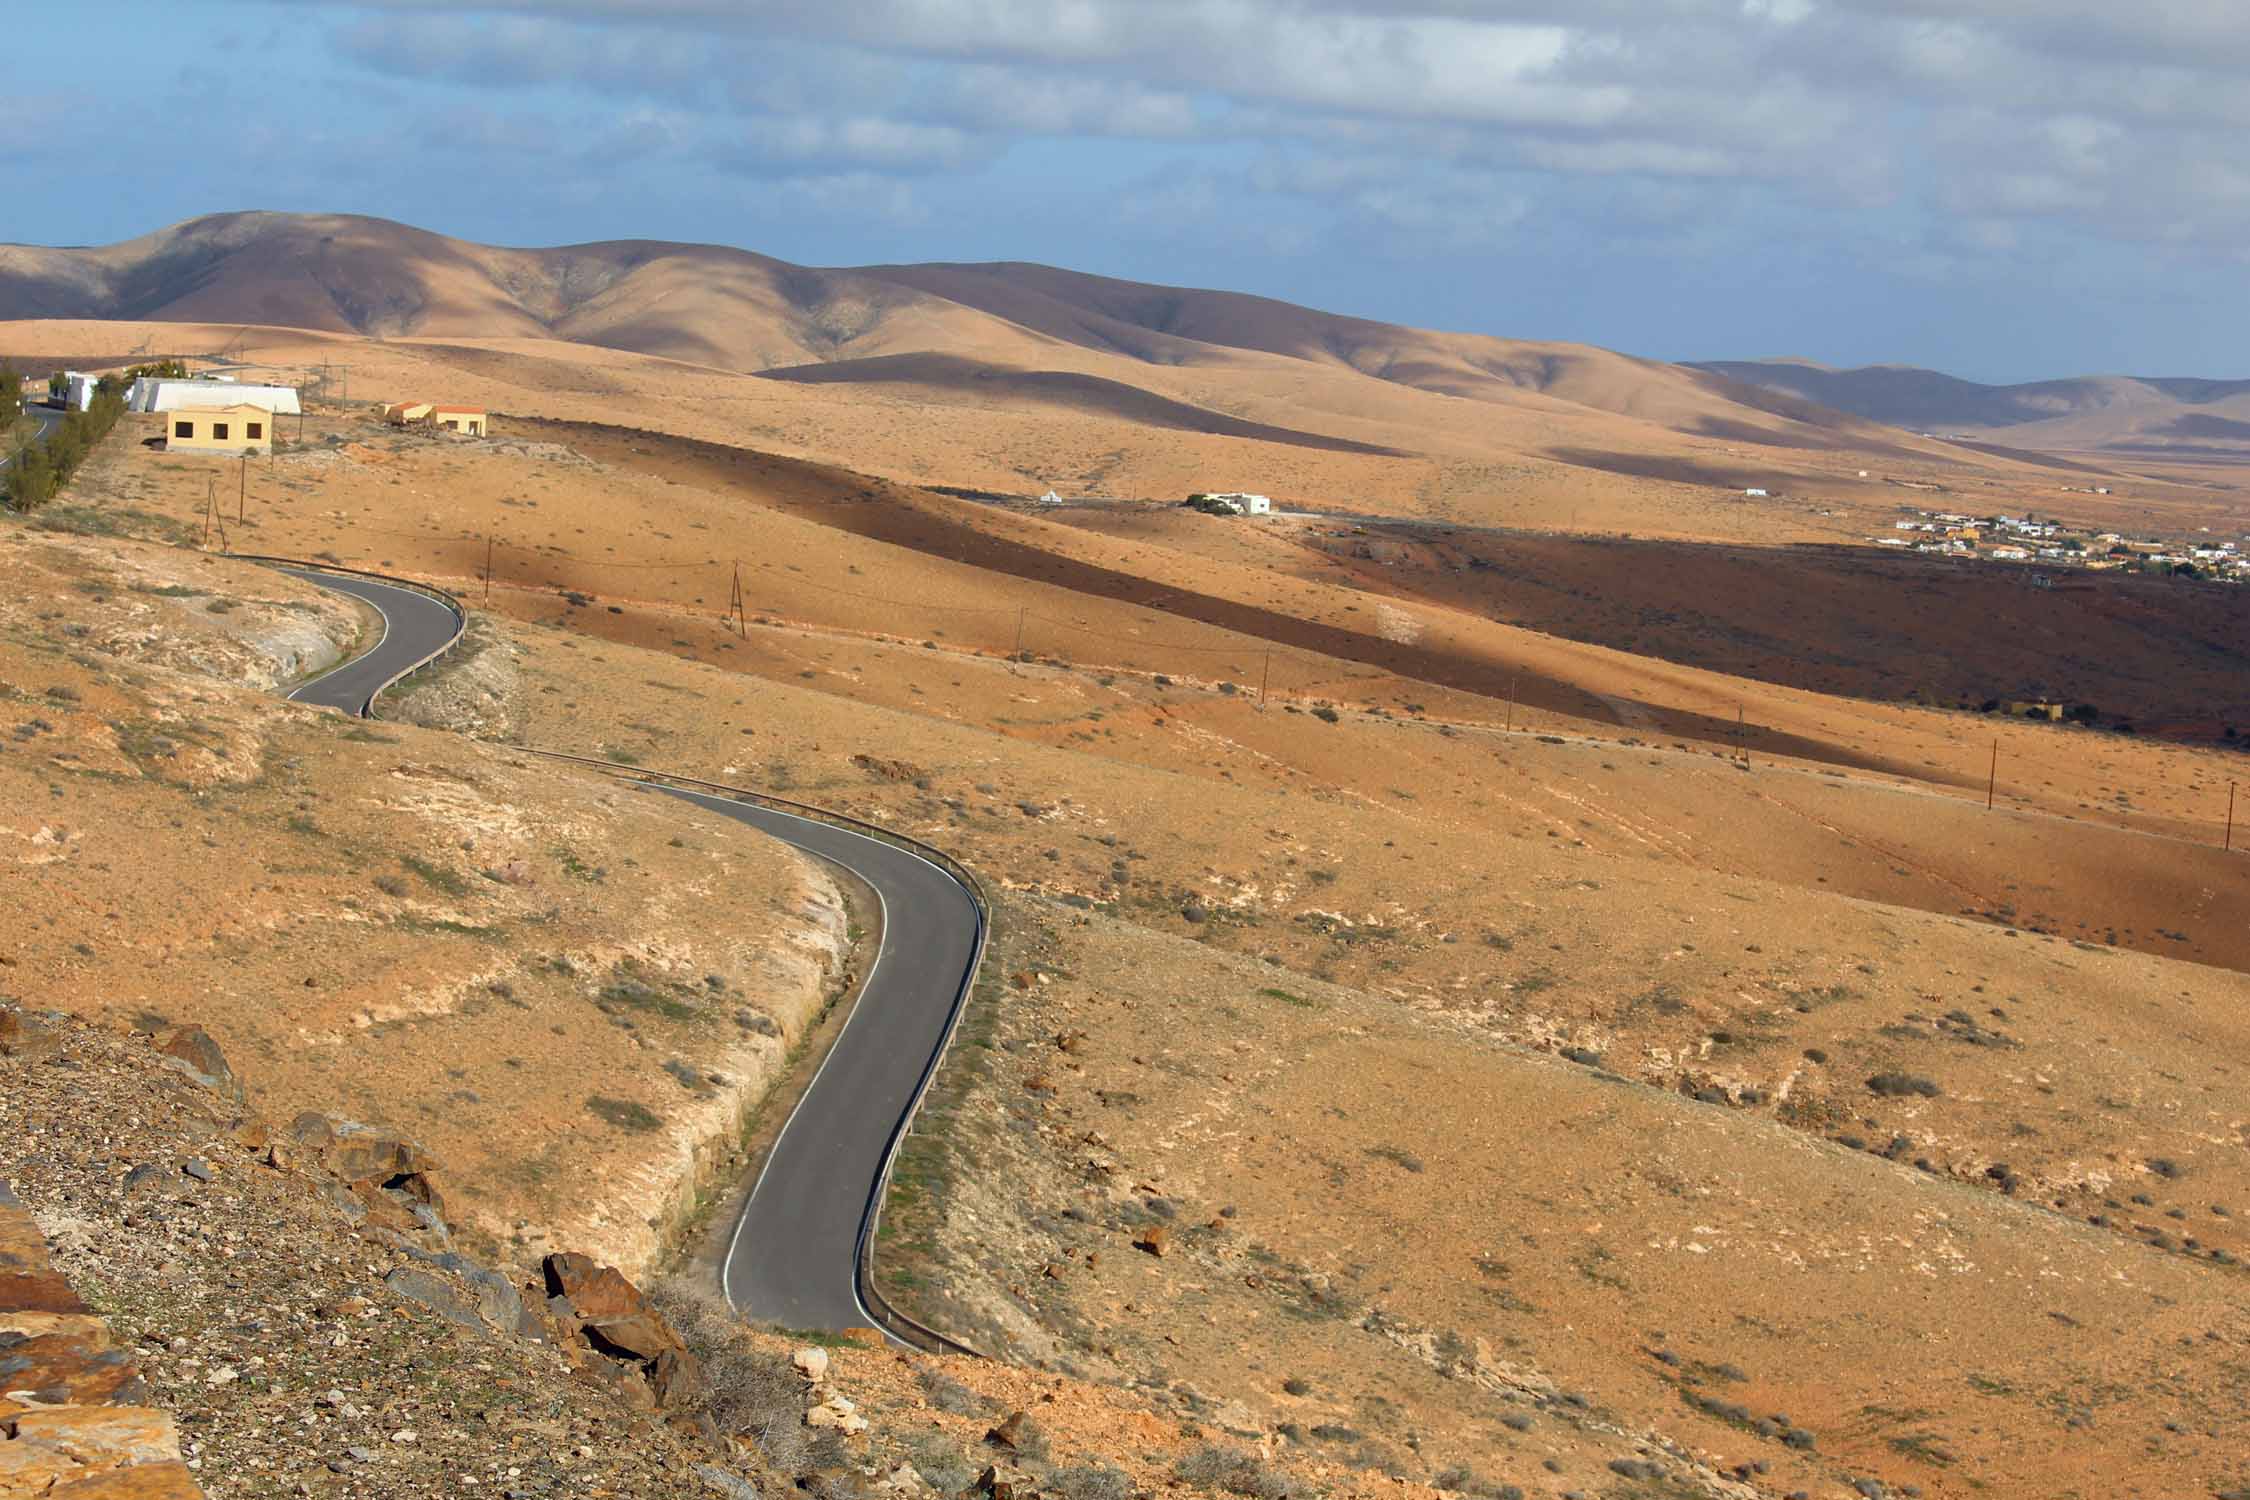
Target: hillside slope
[2122, 413]
[739, 311]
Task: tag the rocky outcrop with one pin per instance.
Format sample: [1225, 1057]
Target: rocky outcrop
[614, 1334]
[387, 1175]
[72, 1419]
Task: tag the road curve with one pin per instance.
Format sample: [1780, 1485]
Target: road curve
[48, 420]
[415, 628]
[798, 1247]
[795, 1255]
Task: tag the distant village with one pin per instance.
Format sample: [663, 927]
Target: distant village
[2050, 544]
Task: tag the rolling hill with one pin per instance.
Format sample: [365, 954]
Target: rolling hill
[747, 313]
[2183, 417]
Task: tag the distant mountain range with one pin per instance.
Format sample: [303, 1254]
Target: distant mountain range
[1000, 331]
[1040, 336]
[2120, 414]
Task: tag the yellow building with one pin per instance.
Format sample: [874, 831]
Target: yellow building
[218, 429]
[406, 411]
[467, 420]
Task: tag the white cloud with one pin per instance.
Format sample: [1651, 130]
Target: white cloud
[2118, 121]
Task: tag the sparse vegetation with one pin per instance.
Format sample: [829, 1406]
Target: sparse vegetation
[625, 1114]
[1233, 1471]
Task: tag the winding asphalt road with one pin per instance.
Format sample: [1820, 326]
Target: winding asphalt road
[415, 628]
[48, 419]
[794, 1258]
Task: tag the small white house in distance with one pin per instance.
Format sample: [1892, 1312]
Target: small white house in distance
[1247, 505]
[152, 394]
[1050, 498]
[78, 390]
[1754, 495]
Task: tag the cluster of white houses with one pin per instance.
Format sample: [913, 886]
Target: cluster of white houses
[2025, 539]
[219, 414]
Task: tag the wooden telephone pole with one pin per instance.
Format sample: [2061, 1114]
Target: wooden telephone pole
[736, 614]
[214, 519]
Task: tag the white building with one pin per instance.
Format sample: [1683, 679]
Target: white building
[78, 390]
[1247, 505]
[151, 394]
[1754, 495]
[1050, 498]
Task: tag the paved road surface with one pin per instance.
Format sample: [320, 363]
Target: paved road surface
[414, 626]
[48, 420]
[794, 1255]
[793, 1259]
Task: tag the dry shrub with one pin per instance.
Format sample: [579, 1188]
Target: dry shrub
[1237, 1473]
[748, 1392]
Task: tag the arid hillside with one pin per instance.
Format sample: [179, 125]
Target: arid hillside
[2125, 415]
[1419, 1049]
[1018, 338]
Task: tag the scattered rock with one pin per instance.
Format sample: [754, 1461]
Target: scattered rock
[837, 1415]
[21, 1036]
[1155, 1239]
[812, 1363]
[189, 1050]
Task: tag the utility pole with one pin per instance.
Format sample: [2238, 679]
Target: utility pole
[1019, 631]
[488, 567]
[242, 490]
[1512, 702]
[2230, 818]
[1265, 679]
[1741, 746]
[1992, 777]
[735, 612]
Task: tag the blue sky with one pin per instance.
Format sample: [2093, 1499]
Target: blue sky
[2007, 189]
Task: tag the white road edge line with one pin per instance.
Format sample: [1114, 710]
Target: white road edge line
[913, 1105]
[374, 604]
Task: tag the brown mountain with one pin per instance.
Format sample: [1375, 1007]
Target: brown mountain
[739, 311]
[2114, 413]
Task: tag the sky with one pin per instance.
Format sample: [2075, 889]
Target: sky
[2004, 189]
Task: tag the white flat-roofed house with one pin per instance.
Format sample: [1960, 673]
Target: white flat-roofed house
[1245, 504]
[152, 394]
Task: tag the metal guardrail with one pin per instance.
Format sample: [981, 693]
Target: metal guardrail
[460, 615]
[899, 1325]
[902, 1326]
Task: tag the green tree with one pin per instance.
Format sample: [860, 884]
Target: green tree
[11, 396]
[57, 383]
[31, 479]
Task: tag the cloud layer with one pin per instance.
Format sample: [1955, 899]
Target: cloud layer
[1989, 118]
[1821, 159]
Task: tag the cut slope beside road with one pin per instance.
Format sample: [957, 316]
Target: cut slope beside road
[796, 1252]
